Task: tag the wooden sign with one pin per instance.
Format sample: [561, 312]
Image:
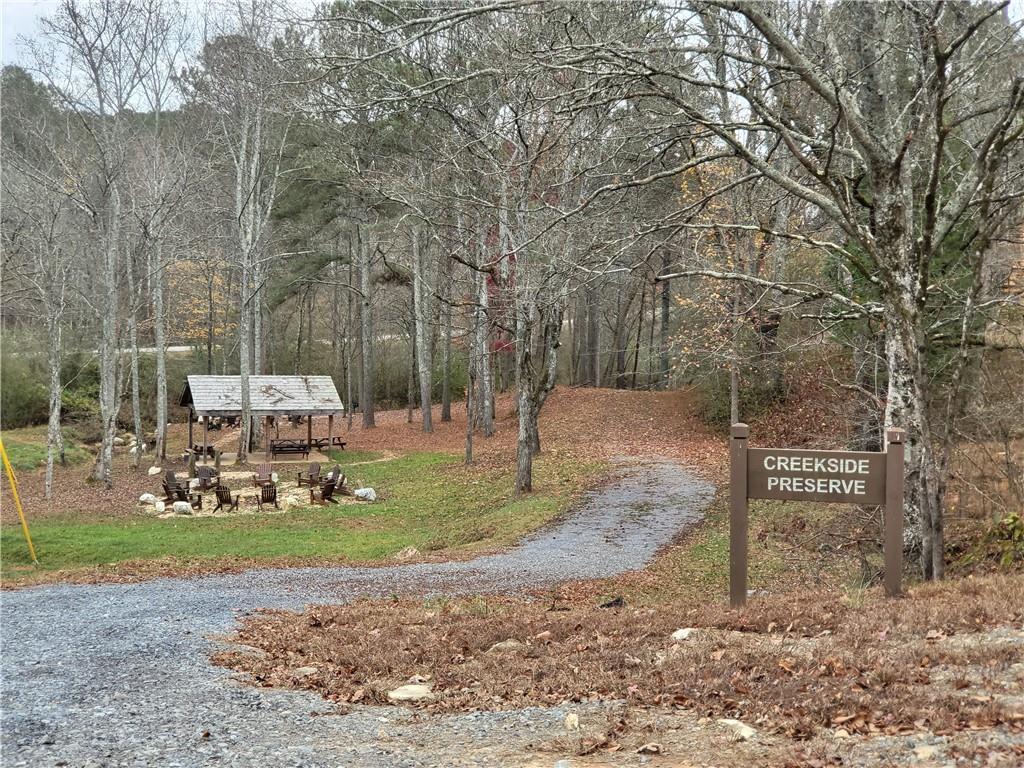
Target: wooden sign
[793, 474]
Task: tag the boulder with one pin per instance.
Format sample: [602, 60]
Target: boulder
[182, 508]
[306, 671]
[406, 553]
[740, 731]
[366, 494]
[118, 441]
[154, 471]
[415, 692]
[681, 634]
[160, 507]
[147, 498]
[505, 646]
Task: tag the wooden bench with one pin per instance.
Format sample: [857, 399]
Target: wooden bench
[289, 447]
[321, 442]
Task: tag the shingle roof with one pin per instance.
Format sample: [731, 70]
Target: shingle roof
[268, 395]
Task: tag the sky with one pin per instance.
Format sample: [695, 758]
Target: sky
[20, 18]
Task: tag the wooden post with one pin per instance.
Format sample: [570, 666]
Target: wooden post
[206, 435]
[738, 515]
[893, 534]
[190, 415]
[266, 431]
[309, 431]
[330, 430]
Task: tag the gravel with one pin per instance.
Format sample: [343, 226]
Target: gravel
[118, 674]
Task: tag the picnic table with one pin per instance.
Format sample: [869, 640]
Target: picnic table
[289, 447]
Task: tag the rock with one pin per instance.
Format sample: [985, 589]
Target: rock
[506, 645]
[160, 507]
[926, 752]
[415, 692]
[542, 636]
[182, 508]
[572, 722]
[682, 634]
[154, 471]
[841, 733]
[306, 671]
[740, 731]
[147, 498]
[406, 553]
[651, 748]
[366, 494]
[118, 441]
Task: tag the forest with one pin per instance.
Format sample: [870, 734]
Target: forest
[443, 202]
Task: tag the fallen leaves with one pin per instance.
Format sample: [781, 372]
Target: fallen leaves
[858, 669]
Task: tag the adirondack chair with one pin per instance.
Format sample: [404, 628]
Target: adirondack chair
[262, 476]
[312, 477]
[268, 495]
[326, 493]
[332, 476]
[224, 498]
[208, 477]
[170, 494]
[171, 481]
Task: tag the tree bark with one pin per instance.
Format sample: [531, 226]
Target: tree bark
[366, 334]
[133, 341]
[109, 394]
[160, 342]
[421, 315]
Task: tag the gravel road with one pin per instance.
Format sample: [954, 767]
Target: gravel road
[118, 674]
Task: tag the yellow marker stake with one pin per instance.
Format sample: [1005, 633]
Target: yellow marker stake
[17, 501]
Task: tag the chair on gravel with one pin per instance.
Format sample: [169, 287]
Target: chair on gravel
[224, 499]
[263, 475]
[312, 477]
[326, 494]
[268, 495]
[208, 477]
[172, 482]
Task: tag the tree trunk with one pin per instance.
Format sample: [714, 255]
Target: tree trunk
[366, 335]
[666, 303]
[244, 358]
[484, 411]
[109, 395]
[54, 439]
[159, 341]
[133, 341]
[907, 407]
[526, 437]
[421, 315]
[446, 347]
[349, 342]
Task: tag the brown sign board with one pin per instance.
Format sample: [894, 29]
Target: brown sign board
[797, 474]
[791, 474]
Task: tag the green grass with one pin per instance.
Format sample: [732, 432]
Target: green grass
[354, 457]
[427, 500]
[26, 448]
[699, 565]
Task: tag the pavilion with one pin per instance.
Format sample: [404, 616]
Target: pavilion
[269, 397]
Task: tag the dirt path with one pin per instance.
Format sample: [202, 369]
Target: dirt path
[117, 675]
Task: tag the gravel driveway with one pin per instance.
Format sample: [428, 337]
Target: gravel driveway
[117, 674]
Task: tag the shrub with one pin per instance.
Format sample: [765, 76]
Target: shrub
[24, 398]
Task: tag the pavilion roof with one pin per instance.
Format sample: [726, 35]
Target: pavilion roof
[268, 395]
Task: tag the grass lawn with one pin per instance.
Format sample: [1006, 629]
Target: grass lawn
[427, 500]
[26, 448]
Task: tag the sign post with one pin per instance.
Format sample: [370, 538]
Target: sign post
[738, 515]
[795, 474]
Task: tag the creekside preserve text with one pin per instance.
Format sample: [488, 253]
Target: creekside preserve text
[817, 465]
